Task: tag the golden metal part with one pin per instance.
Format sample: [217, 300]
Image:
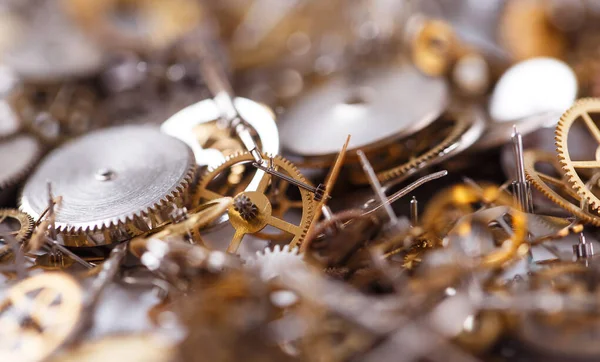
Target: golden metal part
[526, 32]
[266, 214]
[38, 315]
[329, 183]
[575, 170]
[556, 189]
[136, 24]
[487, 327]
[201, 217]
[16, 223]
[131, 348]
[434, 47]
[448, 209]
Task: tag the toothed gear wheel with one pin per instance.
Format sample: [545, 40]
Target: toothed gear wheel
[15, 223]
[257, 193]
[581, 110]
[271, 263]
[555, 189]
[18, 155]
[109, 180]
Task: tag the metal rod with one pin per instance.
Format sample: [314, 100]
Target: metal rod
[376, 186]
[414, 212]
[287, 178]
[521, 187]
[55, 245]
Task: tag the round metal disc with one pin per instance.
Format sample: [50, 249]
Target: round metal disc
[17, 157]
[107, 177]
[182, 123]
[386, 105]
[533, 87]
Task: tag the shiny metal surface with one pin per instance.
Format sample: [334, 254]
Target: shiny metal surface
[181, 124]
[108, 177]
[17, 156]
[379, 109]
[533, 87]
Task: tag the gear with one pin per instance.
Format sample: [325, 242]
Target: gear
[18, 155]
[555, 189]
[111, 181]
[579, 111]
[450, 134]
[271, 262]
[269, 212]
[15, 223]
[44, 319]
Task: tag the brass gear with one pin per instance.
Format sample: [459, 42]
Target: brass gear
[543, 182]
[267, 214]
[46, 319]
[580, 110]
[25, 221]
[452, 128]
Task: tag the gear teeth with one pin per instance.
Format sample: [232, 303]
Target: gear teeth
[122, 222]
[26, 223]
[281, 162]
[530, 159]
[389, 175]
[584, 105]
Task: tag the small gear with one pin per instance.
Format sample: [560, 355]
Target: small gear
[111, 182]
[581, 110]
[245, 207]
[18, 155]
[555, 189]
[269, 213]
[43, 310]
[272, 262]
[15, 223]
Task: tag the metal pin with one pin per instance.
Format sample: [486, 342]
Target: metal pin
[376, 186]
[271, 171]
[521, 187]
[583, 249]
[408, 189]
[414, 212]
[52, 227]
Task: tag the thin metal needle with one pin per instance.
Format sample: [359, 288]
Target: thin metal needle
[376, 186]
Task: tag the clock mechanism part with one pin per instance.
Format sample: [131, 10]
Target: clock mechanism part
[575, 170]
[109, 179]
[42, 312]
[313, 127]
[261, 203]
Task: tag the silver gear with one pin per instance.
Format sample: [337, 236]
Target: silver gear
[111, 182]
[271, 263]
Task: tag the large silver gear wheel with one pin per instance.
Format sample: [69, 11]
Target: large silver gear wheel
[110, 180]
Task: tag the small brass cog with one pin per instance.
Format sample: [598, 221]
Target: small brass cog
[41, 311]
[256, 203]
[556, 189]
[15, 223]
[581, 110]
